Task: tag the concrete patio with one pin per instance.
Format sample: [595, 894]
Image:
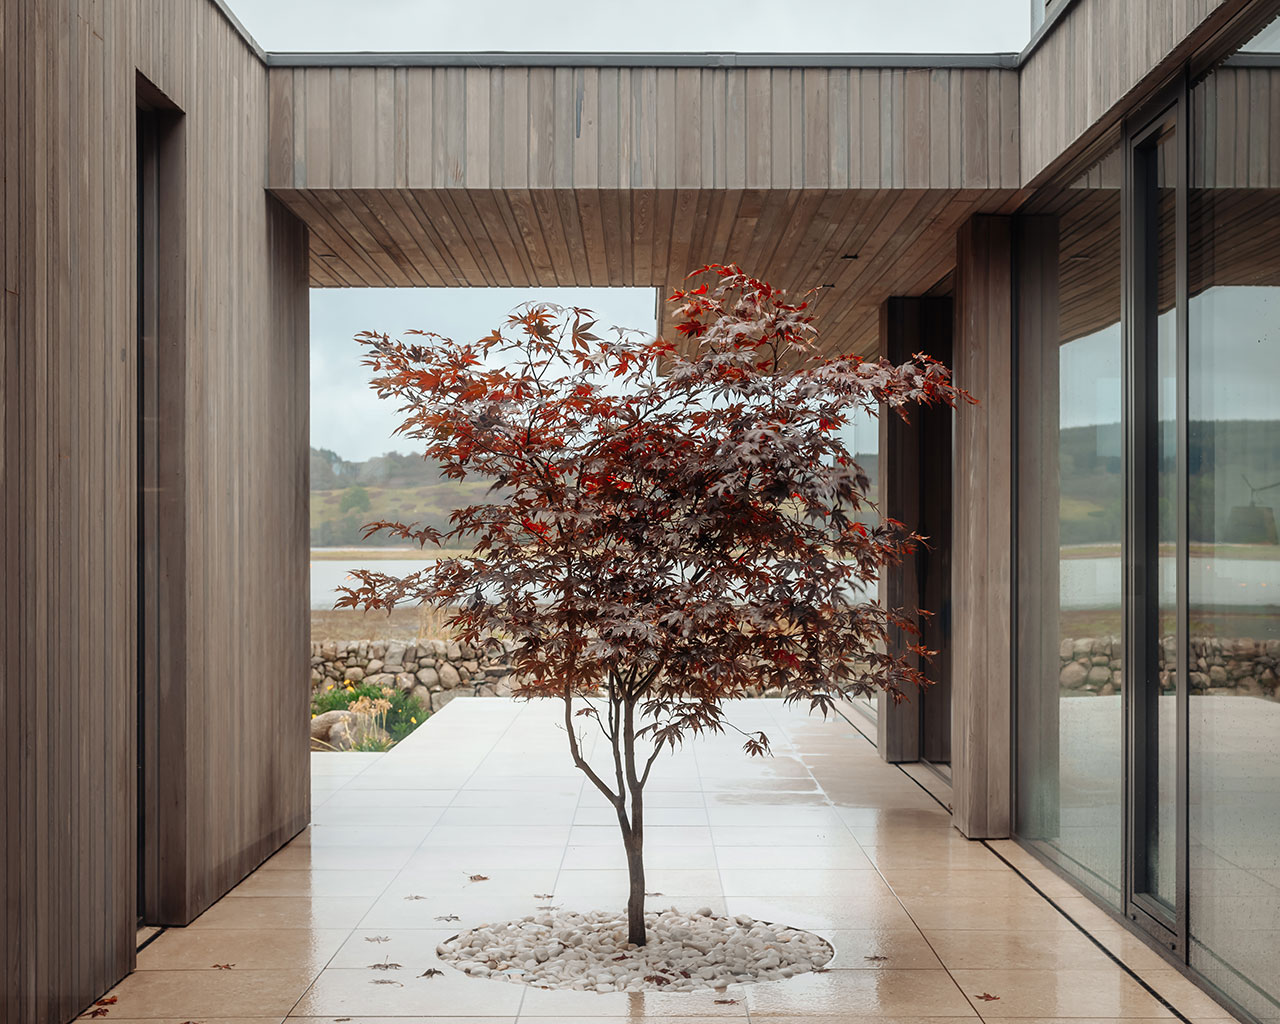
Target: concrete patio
[343, 922]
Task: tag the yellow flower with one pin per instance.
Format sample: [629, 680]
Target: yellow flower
[411, 718]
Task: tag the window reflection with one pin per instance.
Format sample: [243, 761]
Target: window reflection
[1233, 507]
[1071, 526]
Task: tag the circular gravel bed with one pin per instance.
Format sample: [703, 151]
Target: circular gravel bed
[590, 952]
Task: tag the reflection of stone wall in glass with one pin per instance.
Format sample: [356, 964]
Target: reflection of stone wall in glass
[1245, 667]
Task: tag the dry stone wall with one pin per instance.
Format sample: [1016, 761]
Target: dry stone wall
[434, 671]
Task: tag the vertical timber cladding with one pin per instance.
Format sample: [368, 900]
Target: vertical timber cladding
[68, 430]
[915, 487]
[983, 531]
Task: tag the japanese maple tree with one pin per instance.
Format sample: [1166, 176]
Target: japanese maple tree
[672, 525]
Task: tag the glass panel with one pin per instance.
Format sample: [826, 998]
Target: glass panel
[1071, 525]
[1234, 505]
[1161, 738]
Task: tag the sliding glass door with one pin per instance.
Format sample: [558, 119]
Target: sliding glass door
[1148, 547]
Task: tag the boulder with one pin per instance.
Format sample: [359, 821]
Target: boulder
[449, 677]
[381, 679]
[355, 731]
[422, 694]
[1099, 675]
[353, 674]
[1073, 676]
[405, 680]
[374, 667]
[395, 656]
[428, 676]
[321, 724]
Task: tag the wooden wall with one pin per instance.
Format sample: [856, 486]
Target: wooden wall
[850, 180]
[981, 739]
[1077, 82]
[68, 512]
[642, 128]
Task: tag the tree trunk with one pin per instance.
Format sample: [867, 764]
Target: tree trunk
[635, 898]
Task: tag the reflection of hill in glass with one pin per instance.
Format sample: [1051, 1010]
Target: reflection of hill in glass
[1220, 455]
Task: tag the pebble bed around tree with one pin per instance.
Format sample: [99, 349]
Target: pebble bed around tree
[589, 952]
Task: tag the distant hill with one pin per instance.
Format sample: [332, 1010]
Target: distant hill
[346, 495]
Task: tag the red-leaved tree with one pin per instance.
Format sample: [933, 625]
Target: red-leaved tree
[671, 526]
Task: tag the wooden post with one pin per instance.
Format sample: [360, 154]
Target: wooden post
[981, 567]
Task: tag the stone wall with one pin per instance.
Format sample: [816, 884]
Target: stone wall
[1089, 666]
[434, 671]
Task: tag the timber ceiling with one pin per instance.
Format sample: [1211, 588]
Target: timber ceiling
[851, 181]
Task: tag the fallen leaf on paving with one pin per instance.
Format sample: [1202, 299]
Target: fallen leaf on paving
[549, 906]
[223, 967]
[372, 938]
[101, 1011]
[431, 972]
[726, 1002]
[544, 895]
[479, 878]
[384, 966]
[988, 997]
[448, 917]
[109, 1001]
[415, 897]
[876, 959]
[386, 981]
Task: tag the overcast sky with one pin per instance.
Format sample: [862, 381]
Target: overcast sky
[348, 418]
[813, 26]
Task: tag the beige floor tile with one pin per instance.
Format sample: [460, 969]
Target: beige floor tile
[654, 1006]
[764, 835]
[251, 912]
[880, 949]
[447, 1019]
[319, 882]
[973, 913]
[887, 993]
[1020, 949]
[845, 1018]
[816, 914]
[1108, 993]
[613, 856]
[946, 883]
[1185, 996]
[370, 836]
[334, 858]
[257, 949]
[791, 858]
[208, 993]
[483, 857]
[919, 854]
[822, 883]
[375, 993]
[185, 1019]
